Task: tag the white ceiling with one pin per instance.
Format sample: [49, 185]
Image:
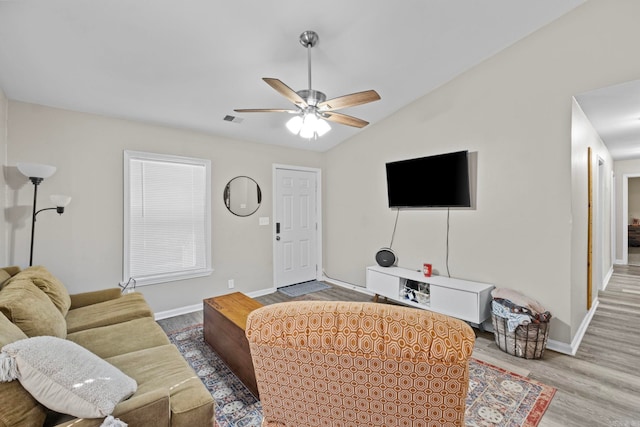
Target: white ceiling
[614, 112]
[189, 63]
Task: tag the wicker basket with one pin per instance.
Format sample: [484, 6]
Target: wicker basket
[527, 341]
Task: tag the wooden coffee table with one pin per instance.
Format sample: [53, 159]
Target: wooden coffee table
[225, 320]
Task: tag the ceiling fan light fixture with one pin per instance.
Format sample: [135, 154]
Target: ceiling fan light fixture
[308, 126]
[322, 127]
[313, 110]
[294, 124]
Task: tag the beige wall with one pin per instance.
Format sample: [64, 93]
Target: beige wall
[84, 246]
[583, 137]
[514, 110]
[3, 162]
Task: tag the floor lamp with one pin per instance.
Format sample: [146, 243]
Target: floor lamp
[36, 174]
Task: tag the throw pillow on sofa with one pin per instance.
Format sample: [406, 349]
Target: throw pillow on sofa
[24, 304]
[47, 283]
[19, 408]
[65, 377]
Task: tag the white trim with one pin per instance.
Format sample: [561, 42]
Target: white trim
[613, 219]
[198, 307]
[128, 157]
[572, 349]
[625, 215]
[347, 285]
[606, 279]
[178, 311]
[261, 292]
[319, 247]
[172, 277]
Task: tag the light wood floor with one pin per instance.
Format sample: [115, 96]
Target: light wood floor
[599, 386]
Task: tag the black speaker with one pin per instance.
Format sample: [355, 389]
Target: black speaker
[386, 258]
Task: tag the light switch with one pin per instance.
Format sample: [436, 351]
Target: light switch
[263, 220]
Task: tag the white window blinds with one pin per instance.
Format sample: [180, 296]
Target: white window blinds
[167, 217]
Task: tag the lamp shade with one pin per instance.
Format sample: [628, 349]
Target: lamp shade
[60, 200]
[294, 124]
[308, 126]
[36, 170]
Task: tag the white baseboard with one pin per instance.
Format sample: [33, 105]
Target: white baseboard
[572, 349]
[261, 292]
[606, 279]
[177, 311]
[197, 307]
[620, 262]
[347, 285]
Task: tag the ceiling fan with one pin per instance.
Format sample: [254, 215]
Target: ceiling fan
[312, 106]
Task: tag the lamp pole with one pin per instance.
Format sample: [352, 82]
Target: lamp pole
[36, 181]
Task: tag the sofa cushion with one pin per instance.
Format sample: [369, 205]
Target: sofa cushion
[164, 368]
[67, 378]
[9, 332]
[127, 307]
[121, 338]
[19, 408]
[49, 284]
[31, 310]
[4, 276]
[6, 273]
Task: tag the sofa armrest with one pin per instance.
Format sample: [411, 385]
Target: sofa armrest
[88, 298]
[149, 409]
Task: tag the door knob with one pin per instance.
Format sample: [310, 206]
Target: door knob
[277, 237]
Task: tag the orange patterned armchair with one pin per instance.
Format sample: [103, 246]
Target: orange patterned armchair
[359, 364]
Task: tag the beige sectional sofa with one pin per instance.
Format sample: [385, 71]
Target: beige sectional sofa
[119, 329]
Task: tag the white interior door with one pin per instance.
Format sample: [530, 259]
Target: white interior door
[296, 226]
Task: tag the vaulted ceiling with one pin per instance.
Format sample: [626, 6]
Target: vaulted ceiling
[190, 63]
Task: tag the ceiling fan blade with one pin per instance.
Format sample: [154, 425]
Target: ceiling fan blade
[286, 91]
[349, 100]
[265, 110]
[343, 119]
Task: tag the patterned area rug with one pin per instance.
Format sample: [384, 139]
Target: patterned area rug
[496, 398]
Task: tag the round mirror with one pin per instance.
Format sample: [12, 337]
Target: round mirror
[242, 196]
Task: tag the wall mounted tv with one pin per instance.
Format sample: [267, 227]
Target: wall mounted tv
[429, 182]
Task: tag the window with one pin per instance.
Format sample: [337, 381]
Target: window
[167, 217]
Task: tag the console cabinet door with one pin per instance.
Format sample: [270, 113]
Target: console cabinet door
[455, 303]
[383, 284]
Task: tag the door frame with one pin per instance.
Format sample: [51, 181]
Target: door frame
[318, 172]
[625, 215]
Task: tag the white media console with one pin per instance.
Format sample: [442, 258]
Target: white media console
[463, 299]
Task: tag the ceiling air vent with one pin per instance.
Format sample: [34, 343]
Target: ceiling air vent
[232, 119]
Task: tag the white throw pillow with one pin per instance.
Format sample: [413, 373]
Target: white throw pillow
[68, 378]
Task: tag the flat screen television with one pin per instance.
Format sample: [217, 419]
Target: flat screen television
[429, 182]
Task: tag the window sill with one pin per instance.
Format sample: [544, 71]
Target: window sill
[171, 277]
